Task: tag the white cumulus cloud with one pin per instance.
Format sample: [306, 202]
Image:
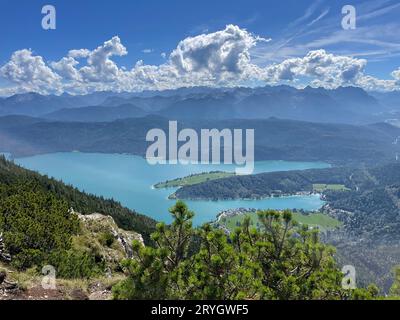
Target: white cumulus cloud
[222, 58]
[66, 68]
[220, 54]
[323, 68]
[30, 73]
[100, 67]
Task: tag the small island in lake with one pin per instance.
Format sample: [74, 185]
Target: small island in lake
[194, 179]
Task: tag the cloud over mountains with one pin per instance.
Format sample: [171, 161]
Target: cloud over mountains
[221, 58]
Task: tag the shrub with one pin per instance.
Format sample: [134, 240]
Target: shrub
[73, 264]
[107, 239]
[34, 224]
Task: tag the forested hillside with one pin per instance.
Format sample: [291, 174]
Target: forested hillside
[274, 138]
[264, 185]
[369, 206]
[97, 113]
[13, 177]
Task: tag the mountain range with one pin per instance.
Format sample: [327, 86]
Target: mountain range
[343, 105]
[34, 104]
[97, 113]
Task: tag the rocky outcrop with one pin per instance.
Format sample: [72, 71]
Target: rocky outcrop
[95, 225]
[100, 237]
[7, 287]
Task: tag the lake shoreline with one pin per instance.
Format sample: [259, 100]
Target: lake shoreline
[143, 156]
[129, 180]
[273, 196]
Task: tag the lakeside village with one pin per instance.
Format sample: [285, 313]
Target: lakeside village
[229, 215]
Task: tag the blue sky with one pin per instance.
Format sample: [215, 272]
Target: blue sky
[147, 29]
[155, 24]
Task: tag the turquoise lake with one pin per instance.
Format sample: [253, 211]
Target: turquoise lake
[129, 180]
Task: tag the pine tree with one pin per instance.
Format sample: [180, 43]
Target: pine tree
[279, 260]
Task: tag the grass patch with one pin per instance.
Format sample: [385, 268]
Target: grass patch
[315, 220]
[194, 179]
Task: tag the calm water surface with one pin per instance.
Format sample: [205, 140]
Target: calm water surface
[129, 179]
